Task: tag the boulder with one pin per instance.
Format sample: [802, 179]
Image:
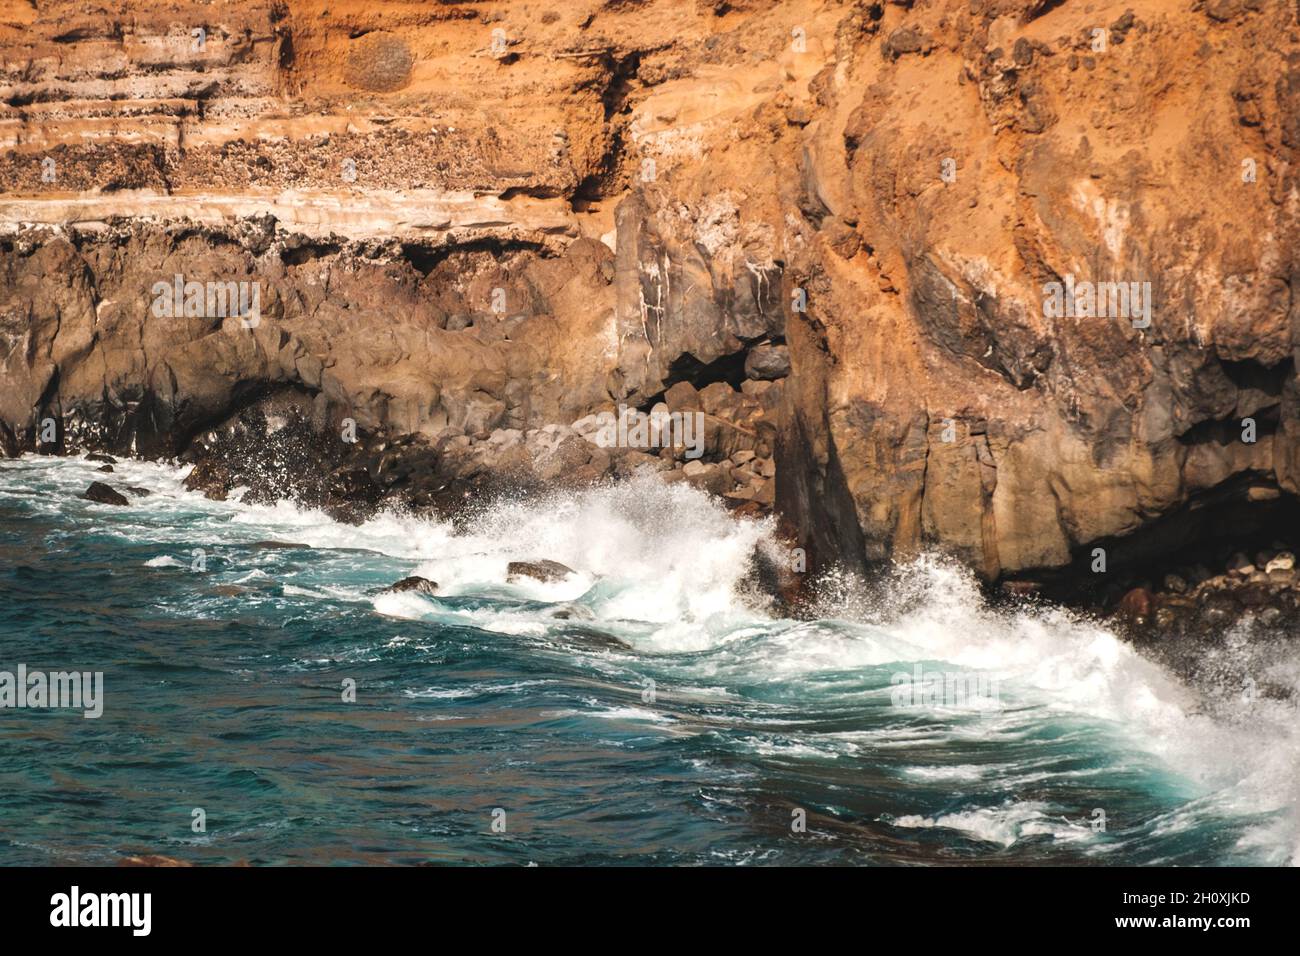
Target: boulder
[572, 612]
[210, 477]
[413, 583]
[544, 571]
[1282, 562]
[102, 493]
[596, 638]
[711, 477]
[681, 396]
[1135, 607]
[1240, 564]
[767, 362]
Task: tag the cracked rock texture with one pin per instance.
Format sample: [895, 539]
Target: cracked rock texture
[831, 222]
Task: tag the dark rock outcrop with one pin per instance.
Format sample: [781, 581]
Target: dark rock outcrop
[104, 495]
[413, 583]
[544, 571]
[572, 612]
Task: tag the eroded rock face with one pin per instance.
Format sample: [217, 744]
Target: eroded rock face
[994, 149]
[349, 256]
[380, 62]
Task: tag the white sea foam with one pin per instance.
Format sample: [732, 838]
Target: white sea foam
[962, 772]
[1005, 825]
[290, 590]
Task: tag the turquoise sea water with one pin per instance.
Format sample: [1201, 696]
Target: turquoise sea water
[498, 723]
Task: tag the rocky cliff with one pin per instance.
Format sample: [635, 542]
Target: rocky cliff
[1007, 278]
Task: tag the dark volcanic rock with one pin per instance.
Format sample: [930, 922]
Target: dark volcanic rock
[100, 492]
[595, 638]
[413, 583]
[1218, 632]
[572, 612]
[212, 478]
[545, 571]
[1135, 607]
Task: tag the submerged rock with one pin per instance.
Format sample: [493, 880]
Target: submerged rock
[595, 638]
[100, 492]
[413, 583]
[106, 459]
[572, 612]
[544, 571]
